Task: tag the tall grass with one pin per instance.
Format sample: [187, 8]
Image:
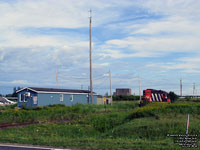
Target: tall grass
[59, 112]
[105, 122]
[164, 108]
[122, 125]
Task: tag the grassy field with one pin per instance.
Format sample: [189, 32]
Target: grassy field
[121, 126]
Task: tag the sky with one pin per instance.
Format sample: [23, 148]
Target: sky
[156, 40]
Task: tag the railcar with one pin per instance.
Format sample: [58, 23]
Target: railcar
[151, 95]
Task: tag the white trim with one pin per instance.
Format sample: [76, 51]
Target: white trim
[26, 88]
[61, 97]
[25, 100]
[20, 97]
[52, 92]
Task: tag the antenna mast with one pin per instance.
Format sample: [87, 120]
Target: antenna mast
[57, 78]
[193, 89]
[181, 87]
[140, 88]
[91, 89]
[110, 87]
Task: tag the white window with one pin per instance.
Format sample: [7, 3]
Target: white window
[28, 94]
[25, 98]
[71, 98]
[20, 99]
[34, 99]
[61, 97]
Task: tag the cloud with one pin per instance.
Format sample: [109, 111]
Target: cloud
[20, 82]
[51, 13]
[183, 65]
[173, 25]
[40, 37]
[170, 7]
[157, 38]
[15, 82]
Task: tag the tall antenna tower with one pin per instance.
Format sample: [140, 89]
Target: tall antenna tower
[140, 88]
[193, 89]
[181, 87]
[110, 87]
[91, 89]
[57, 78]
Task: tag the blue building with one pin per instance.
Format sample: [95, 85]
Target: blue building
[32, 97]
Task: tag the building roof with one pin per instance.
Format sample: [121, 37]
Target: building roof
[54, 90]
[3, 100]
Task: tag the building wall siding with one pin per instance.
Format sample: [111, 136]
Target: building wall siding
[54, 98]
[44, 99]
[29, 100]
[122, 92]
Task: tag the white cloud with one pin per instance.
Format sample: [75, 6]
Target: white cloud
[150, 46]
[19, 82]
[184, 66]
[53, 13]
[171, 7]
[15, 82]
[171, 26]
[176, 25]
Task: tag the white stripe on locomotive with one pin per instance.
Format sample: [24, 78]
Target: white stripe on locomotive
[153, 99]
[160, 97]
[156, 97]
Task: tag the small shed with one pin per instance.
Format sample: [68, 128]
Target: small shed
[32, 97]
[5, 101]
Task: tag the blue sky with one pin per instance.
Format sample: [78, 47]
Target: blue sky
[157, 40]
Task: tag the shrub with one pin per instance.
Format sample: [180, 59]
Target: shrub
[173, 96]
[125, 98]
[103, 123]
[156, 108]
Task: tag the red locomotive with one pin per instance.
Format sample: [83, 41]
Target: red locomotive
[151, 95]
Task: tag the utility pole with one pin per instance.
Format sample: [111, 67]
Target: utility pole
[57, 78]
[91, 90]
[88, 95]
[110, 88]
[181, 88]
[188, 122]
[193, 89]
[140, 88]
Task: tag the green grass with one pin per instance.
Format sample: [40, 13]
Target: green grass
[121, 126]
[60, 112]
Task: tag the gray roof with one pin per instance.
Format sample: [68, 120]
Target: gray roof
[3, 100]
[56, 90]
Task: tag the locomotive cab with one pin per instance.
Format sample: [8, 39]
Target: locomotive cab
[151, 95]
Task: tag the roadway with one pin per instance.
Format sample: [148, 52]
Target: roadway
[21, 147]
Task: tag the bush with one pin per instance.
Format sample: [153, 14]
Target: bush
[164, 108]
[125, 98]
[173, 96]
[103, 123]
